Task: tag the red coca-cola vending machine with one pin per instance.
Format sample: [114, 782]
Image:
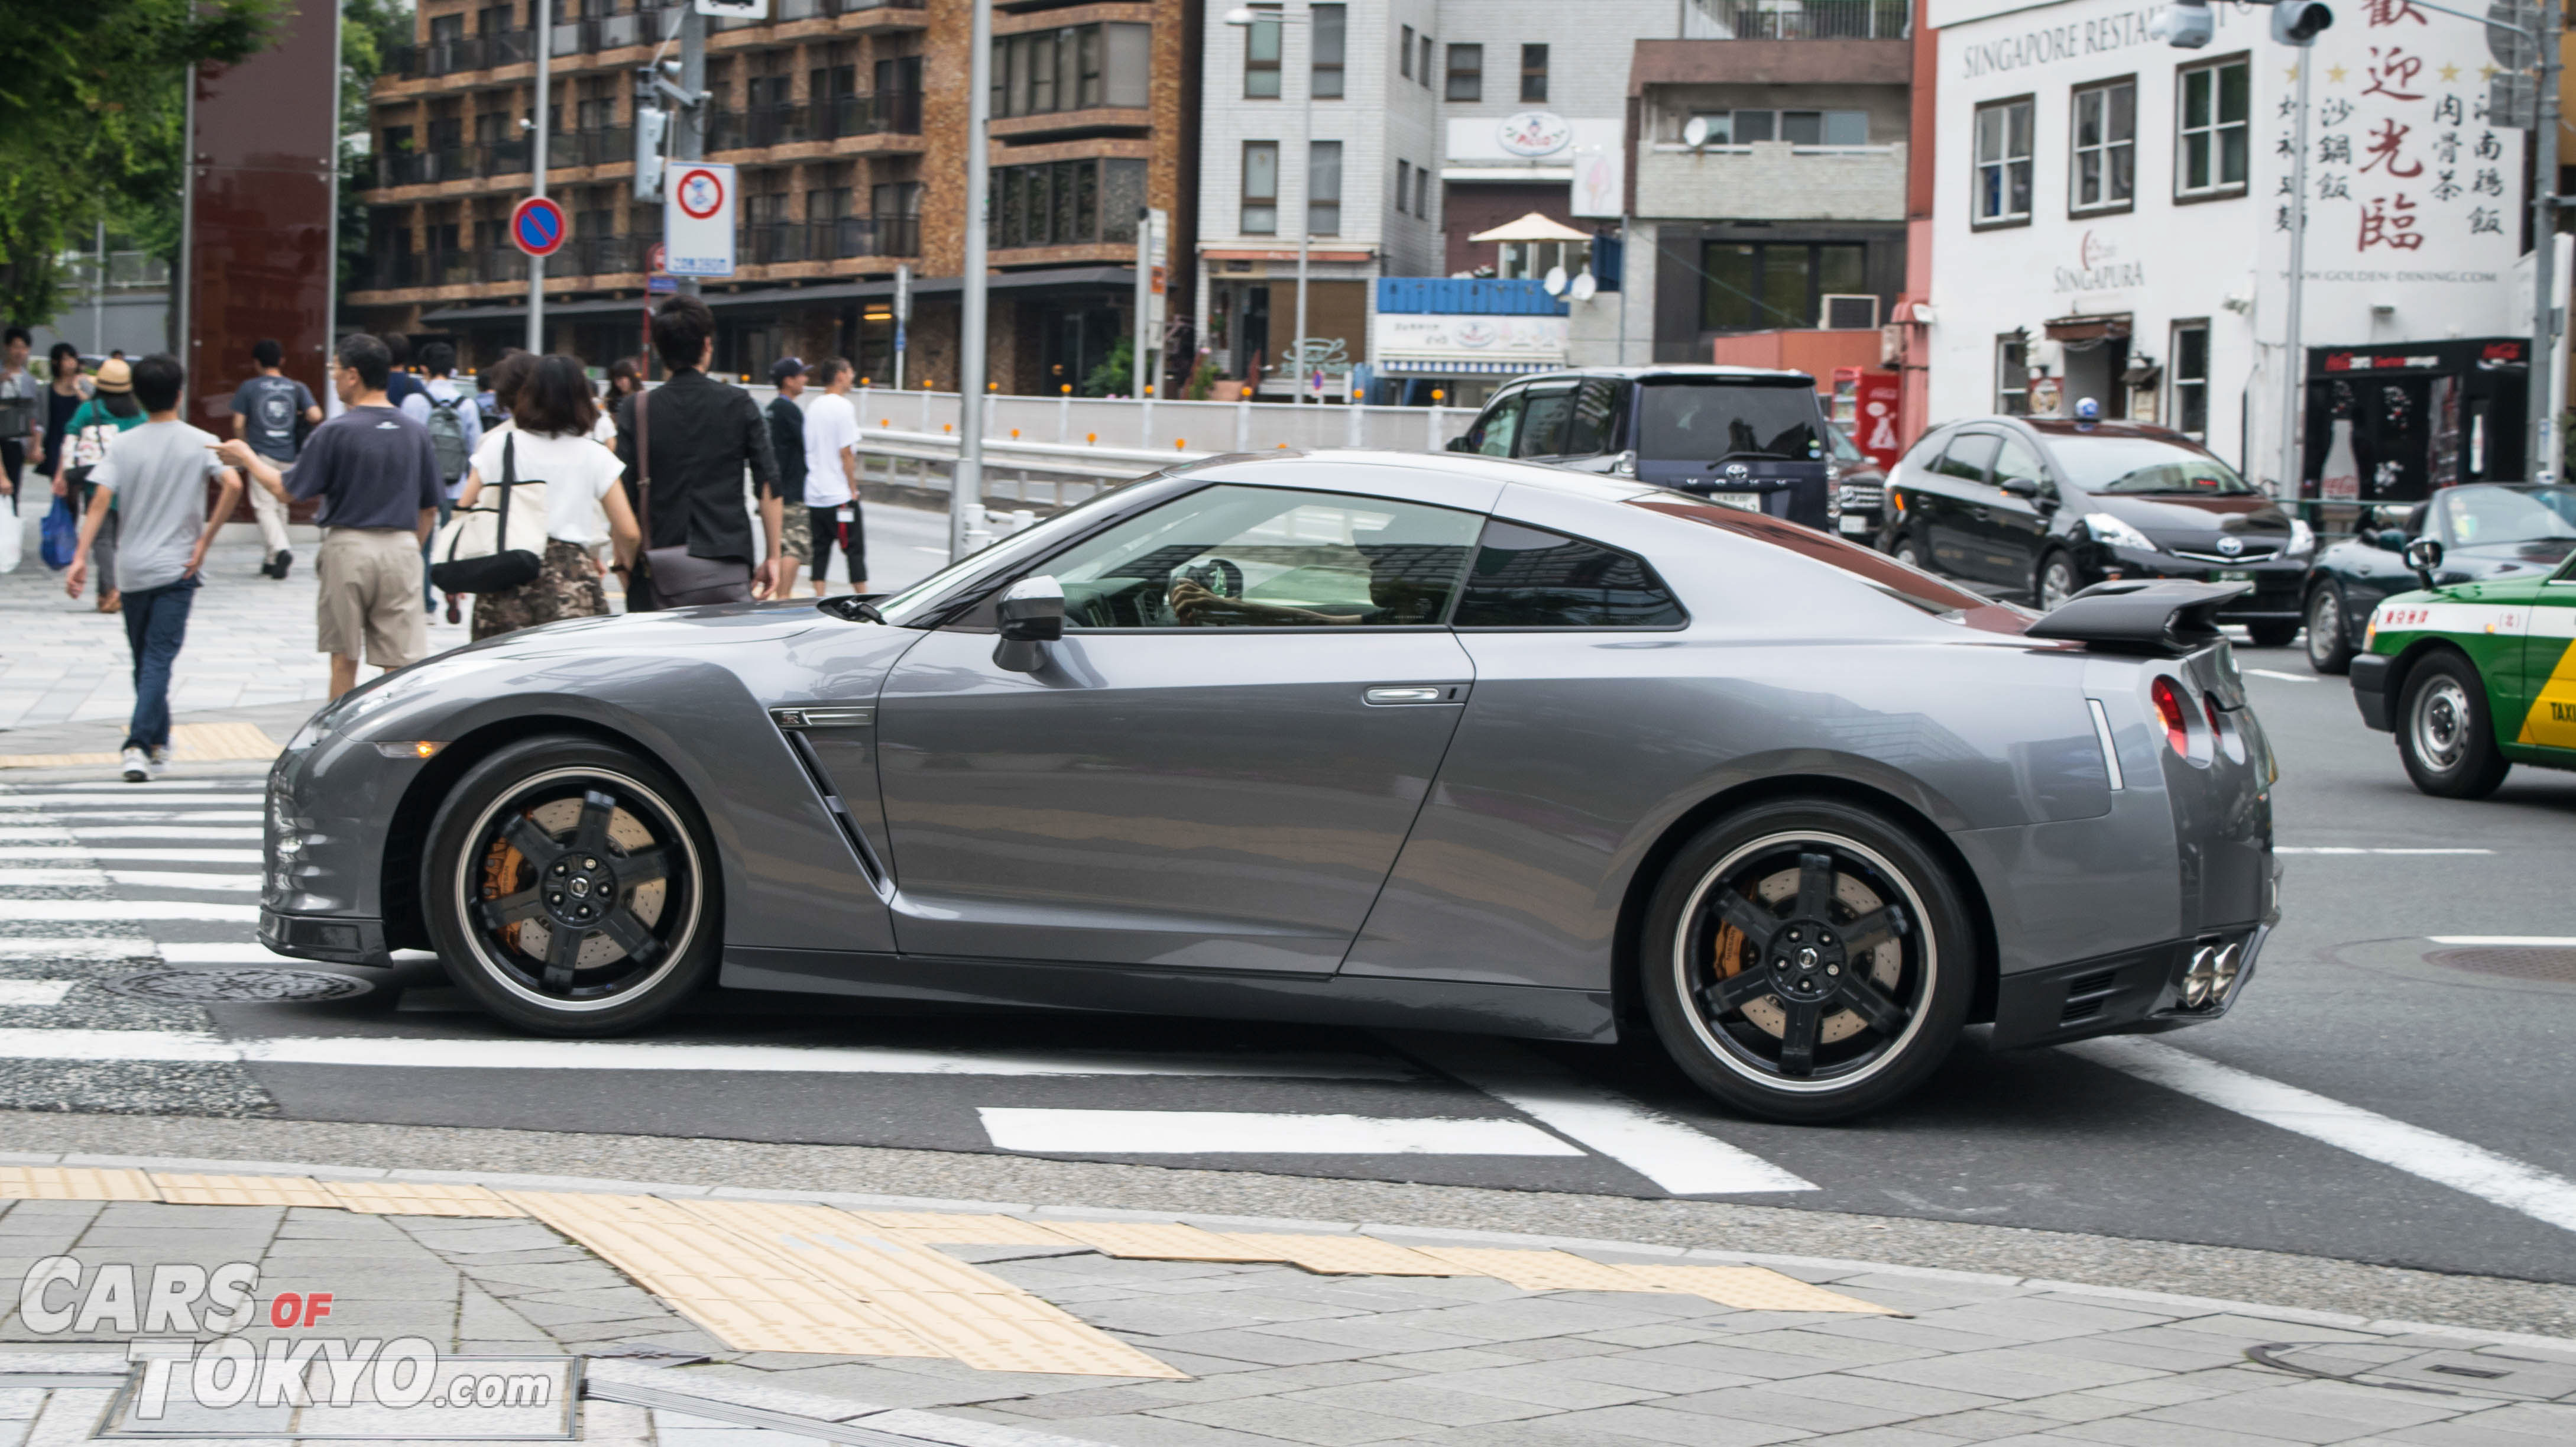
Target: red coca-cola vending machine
[1865, 404]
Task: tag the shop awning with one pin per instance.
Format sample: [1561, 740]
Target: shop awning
[2088, 328]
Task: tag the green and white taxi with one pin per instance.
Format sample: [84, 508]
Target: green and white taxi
[2476, 671]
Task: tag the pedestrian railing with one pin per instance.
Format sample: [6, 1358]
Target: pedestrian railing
[1114, 432]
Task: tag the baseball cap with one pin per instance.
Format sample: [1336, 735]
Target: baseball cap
[113, 376]
[786, 367]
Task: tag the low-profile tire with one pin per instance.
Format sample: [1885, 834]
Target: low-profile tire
[2445, 732]
[570, 889]
[2273, 632]
[1807, 960]
[2330, 647]
[2056, 580]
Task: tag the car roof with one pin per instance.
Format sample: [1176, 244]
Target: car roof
[2058, 429]
[1693, 372]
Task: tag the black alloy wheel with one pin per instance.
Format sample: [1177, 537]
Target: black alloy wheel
[2445, 734]
[2330, 646]
[568, 888]
[1807, 961]
[2057, 580]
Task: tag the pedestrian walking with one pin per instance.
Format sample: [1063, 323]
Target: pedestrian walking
[787, 442]
[110, 411]
[154, 478]
[20, 425]
[685, 445]
[266, 409]
[446, 407]
[625, 379]
[832, 478]
[547, 443]
[377, 475]
[400, 384]
[65, 390]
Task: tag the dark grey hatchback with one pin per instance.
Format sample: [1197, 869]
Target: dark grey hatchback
[1742, 436]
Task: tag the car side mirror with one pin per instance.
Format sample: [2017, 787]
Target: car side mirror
[2424, 555]
[2389, 540]
[1030, 614]
[1463, 442]
[2020, 486]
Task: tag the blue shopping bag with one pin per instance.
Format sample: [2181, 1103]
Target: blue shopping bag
[62, 535]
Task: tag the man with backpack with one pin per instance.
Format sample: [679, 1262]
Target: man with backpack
[266, 411]
[446, 407]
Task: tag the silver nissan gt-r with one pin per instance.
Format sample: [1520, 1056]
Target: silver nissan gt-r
[1372, 739]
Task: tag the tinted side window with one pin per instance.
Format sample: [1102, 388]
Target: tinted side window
[1594, 427]
[1493, 433]
[1526, 578]
[1967, 457]
[2016, 460]
[1543, 423]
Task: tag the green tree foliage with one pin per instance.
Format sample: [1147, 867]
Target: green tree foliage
[369, 32]
[92, 106]
[1110, 378]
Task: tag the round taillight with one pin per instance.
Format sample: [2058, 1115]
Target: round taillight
[2169, 711]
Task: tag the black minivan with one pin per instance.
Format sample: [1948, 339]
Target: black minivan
[1746, 437]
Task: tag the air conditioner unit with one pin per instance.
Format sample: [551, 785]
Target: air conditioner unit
[1850, 313]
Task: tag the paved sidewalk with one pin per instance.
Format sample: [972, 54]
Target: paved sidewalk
[1274, 1354]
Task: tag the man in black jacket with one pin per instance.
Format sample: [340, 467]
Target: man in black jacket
[787, 440]
[702, 434]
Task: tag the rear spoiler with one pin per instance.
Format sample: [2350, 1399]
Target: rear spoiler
[2162, 617]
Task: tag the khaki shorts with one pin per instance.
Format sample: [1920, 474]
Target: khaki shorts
[796, 532]
[370, 579]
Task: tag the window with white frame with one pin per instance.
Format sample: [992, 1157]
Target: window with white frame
[2105, 150]
[1331, 27]
[2012, 375]
[2211, 139]
[1260, 188]
[1532, 260]
[1798, 128]
[1261, 54]
[2003, 136]
[1324, 188]
[2188, 374]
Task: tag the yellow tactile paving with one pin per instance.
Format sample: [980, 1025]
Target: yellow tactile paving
[942, 1228]
[180, 1189]
[1157, 1241]
[978, 1318]
[1346, 1255]
[751, 1297]
[189, 743]
[1537, 1270]
[418, 1198]
[74, 1183]
[1750, 1288]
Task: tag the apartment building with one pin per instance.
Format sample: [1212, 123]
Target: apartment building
[847, 120]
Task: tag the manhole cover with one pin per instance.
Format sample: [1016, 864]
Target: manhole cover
[206, 987]
[2517, 962]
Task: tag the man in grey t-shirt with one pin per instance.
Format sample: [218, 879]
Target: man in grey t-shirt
[157, 475]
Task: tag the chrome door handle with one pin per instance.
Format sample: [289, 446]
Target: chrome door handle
[1417, 693]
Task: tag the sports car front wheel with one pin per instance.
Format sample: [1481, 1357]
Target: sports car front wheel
[1807, 960]
[568, 888]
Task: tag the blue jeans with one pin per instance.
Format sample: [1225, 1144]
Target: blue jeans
[156, 623]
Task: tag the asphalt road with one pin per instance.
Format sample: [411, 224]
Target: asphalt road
[2345, 1005]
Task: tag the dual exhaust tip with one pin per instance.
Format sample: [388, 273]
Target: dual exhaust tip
[2212, 976]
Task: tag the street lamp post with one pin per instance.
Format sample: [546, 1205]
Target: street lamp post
[537, 172]
[966, 484]
[1244, 17]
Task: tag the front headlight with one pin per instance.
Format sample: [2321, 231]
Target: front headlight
[2110, 530]
[2303, 539]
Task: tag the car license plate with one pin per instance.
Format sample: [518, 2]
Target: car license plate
[1852, 522]
[1749, 501]
[2235, 575]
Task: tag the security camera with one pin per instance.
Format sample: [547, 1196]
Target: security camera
[2186, 25]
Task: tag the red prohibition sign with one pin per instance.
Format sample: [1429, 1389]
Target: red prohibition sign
[701, 194]
[537, 226]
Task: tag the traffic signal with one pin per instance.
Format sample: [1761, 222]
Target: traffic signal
[2296, 22]
[651, 124]
[2185, 25]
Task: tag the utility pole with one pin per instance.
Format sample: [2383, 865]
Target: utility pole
[1306, 183]
[537, 170]
[2542, 464]
[966, 487]
[689, 127]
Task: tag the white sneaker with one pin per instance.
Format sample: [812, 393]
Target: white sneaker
[138, 766]
[160, 760]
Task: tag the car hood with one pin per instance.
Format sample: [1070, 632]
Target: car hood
[2507, 560]
[2188, 520]
[718, 623]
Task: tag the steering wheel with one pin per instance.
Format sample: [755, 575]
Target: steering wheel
[1217, 575]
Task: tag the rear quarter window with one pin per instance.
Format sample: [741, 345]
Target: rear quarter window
[1879, 571]
[1526, 577]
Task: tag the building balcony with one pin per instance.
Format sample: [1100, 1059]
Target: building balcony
[496, 160]
[391, 278]
[829, 118]
[777, 243]
[1795, 20]
[1772, 181]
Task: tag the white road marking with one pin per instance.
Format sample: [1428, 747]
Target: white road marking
[2536, 942]
[81, 818]
[34, 992]
[30, 947]
[2284, 677]
[646, 1055]
[2348, 849]
[133, 878]
[60, 834]
[2418, 1152]
[30, 852]
[118, 911]
[1243, 1132]
[1678, 1157]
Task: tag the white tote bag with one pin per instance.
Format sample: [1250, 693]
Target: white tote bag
[499, 542]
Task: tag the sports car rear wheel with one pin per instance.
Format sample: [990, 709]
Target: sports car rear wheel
[2444, 732]
[568, 888]
[1807, 960]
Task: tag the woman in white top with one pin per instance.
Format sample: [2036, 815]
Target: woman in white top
[548, 441]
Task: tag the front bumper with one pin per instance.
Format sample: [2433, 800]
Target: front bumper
[2135, 992]
[338, 940]
[2370, 690]
[2277, 583]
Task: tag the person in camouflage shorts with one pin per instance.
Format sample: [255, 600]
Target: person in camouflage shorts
[548, 440]
[567, 586]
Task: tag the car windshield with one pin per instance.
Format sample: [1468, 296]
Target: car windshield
[1680, 419]
[2476, 516]
[2145, 465]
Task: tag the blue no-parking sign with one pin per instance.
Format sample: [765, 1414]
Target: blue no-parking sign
[537, 226]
